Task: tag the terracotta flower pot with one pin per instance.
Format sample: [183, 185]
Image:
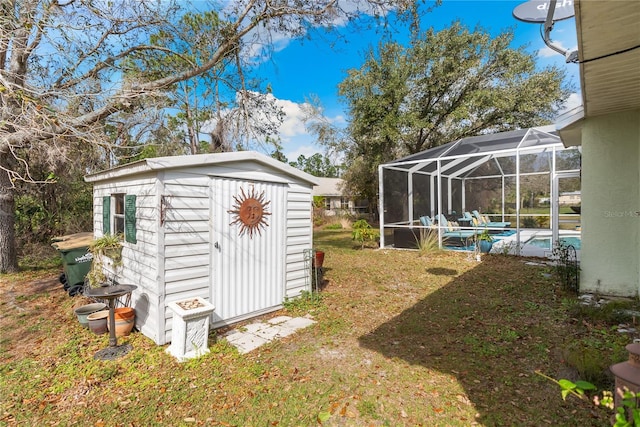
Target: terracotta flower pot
[125, 319]
[318, 259]
[98, 322]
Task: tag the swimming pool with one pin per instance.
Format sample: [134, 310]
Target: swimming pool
[536, 243]
[544, 242]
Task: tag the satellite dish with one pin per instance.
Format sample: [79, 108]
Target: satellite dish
[536, 11]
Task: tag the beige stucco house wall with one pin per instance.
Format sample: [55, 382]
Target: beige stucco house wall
[610, 258]
[607, 126]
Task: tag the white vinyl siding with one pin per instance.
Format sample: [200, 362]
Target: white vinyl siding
[180, 214]
[141, 254]
[299, 238]
[186, 241]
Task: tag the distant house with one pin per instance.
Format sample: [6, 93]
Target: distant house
[330, 189]
[569, 198]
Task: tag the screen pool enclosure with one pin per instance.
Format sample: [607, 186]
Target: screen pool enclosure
[506, 182]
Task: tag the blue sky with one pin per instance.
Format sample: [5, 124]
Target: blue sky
[299, 70]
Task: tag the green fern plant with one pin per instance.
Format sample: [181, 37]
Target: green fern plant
[106, 246]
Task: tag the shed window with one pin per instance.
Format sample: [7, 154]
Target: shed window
[118, 214]
[344, 203]
[122, 219]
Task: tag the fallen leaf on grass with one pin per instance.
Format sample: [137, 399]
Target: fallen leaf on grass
[323, 416]
[343, 411]
[463, 399]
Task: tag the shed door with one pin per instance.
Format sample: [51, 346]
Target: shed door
[248, 252]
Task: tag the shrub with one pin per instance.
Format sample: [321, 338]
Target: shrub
[428, 242]
[625, 415]
[542, 221]
[363, 232]
[567, 268]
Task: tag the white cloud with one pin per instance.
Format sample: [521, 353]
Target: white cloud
[305, 150]
[293, 124]
[338, 120]
[574, 101]
[294, 137]
[547, 52]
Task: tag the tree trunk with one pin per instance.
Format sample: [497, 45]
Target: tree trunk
[8, 255]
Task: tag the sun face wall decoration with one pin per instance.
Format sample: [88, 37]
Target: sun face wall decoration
[250, 212]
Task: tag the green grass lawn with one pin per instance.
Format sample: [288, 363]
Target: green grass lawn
[401, 339]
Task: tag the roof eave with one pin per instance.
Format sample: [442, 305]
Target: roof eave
[569, 127]
[138, 167]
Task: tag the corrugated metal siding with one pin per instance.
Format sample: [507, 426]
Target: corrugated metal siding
[248, 271]
[299, 229]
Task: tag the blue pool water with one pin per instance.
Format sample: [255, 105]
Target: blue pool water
[545, 242]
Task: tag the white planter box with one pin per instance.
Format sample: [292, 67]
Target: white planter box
[190, 331]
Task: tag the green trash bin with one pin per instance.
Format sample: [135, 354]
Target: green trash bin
[76, 258]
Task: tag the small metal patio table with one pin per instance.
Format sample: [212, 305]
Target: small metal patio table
[111, 293]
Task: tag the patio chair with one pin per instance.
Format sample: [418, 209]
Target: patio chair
[453, 233]
[466, 216]
[483, 221]
[466, 220]
[426, 221]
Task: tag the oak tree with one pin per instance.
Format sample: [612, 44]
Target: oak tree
[68, 67]
[443, 86]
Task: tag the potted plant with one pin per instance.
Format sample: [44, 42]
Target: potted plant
[483, 242]
[318, 259]
[106, 250]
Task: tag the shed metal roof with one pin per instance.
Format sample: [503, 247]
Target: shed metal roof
[198, 160]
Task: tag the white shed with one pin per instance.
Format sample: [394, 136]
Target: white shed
[231, 228]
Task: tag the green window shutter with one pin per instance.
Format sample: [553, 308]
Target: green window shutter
[130, 219]
[106, 215]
